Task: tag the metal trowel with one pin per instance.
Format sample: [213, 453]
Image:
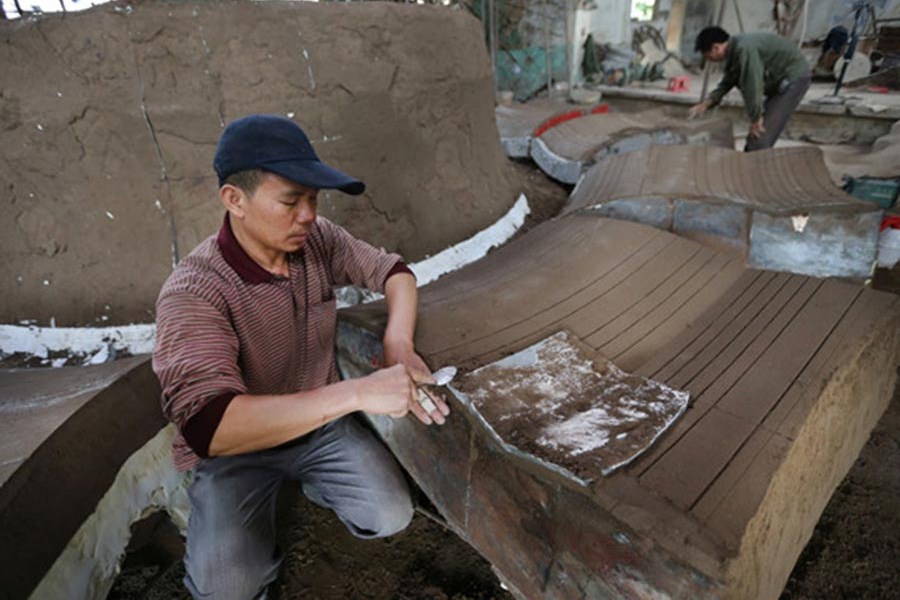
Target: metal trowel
[441, 377]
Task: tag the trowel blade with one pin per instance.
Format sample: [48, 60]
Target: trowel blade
[444, 375]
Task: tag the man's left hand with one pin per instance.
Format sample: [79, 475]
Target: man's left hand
[419, 372]
[757, 128]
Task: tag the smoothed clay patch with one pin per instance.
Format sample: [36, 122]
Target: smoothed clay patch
[552, 400]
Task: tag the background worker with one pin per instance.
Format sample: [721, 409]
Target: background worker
[760, 64]
[245, 356]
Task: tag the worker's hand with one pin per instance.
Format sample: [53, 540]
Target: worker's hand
[388, 391]
[698, 109]
[403, 353]
[756, 128]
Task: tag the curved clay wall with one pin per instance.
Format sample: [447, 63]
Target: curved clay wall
[110, 118]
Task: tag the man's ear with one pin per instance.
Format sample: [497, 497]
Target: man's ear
[233, 198]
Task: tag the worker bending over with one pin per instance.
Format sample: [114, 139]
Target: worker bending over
[769, 70]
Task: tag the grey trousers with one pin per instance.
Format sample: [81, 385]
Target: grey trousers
[231, 550]
[777, 111]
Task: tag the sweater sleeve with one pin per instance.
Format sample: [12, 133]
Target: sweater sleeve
[353, 261]
[751, 82]
[196, 361]
[725, 85]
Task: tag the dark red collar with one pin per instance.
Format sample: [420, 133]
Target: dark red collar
[238, 259]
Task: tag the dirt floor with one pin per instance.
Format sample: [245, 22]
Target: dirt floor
[854, 552]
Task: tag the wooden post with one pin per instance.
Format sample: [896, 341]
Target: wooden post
[570, 58]
[676, 26]
[547, 61]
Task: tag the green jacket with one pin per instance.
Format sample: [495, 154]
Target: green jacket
[758, 63]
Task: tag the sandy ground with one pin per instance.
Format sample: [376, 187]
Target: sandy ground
[854, 551]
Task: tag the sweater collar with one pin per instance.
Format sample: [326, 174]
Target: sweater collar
[238, 259]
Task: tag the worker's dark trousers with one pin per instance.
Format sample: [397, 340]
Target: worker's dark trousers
[777, 110]
[231, 550]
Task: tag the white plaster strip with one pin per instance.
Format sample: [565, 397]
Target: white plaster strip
[453, 258]
[147, 482]
[470, 250]
[39, 341]
[139, 339]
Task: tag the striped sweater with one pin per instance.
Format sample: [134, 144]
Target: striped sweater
[226, 326]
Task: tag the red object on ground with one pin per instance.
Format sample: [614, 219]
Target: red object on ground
[572, 114]
[892, 222]
[878, 89]
[682, 83]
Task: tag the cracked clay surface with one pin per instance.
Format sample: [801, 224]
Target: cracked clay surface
[110, 119]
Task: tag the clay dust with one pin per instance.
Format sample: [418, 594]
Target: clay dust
[587, 416]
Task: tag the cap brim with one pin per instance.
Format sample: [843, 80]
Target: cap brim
[315, 174]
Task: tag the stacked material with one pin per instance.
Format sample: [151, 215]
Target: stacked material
[787, 375]
[778, 208]
[520, 123]
[565, 151]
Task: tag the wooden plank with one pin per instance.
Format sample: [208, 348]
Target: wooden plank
[715, 359]
[705, 327]
[763, 382]
[760, 389]
[647, 330]
[735, 499]
[553, 316]
[867, 312]
[685, 324]
[735, 495]
[753, 343]
[685, 469]
[485, 272]
[640, 283]
[642, 306]
[594, 248]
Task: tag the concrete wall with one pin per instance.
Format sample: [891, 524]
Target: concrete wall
[606, 20]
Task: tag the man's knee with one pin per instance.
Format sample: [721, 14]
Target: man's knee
[223, 574]
[385, 518]
[397, 517]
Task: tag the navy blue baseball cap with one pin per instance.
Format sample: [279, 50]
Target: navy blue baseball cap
[277, 145]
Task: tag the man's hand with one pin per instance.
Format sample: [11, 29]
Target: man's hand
[402, 353]
[757, 128]
[388, 392]
[698, 109]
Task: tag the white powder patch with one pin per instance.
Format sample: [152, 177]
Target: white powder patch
[566, 407]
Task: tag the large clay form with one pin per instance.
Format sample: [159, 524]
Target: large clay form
[788, 375]
[776, 208]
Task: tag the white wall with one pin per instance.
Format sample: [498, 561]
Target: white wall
[757, 15]
[606, 20]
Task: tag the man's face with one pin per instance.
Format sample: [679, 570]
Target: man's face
[716, 52]
[280, 213]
